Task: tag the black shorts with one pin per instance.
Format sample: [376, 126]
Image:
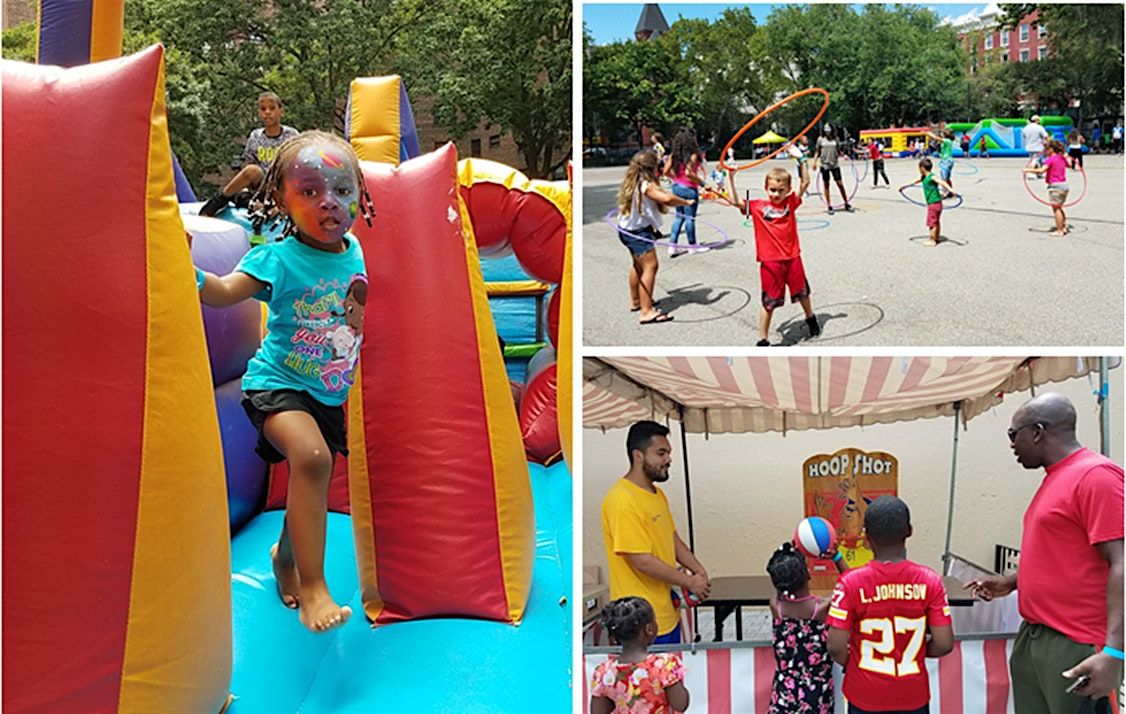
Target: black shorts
[259, 404]
[836, 171]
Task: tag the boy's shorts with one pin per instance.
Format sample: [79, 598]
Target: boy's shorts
[1057, 193]
[260, 404]
[637, 246]
[934, 213]
[945, 168]
[835, 171]
[777, 275]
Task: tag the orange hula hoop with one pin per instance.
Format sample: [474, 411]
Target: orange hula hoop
[772, 107]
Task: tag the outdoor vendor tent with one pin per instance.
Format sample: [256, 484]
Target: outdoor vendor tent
[713, 395]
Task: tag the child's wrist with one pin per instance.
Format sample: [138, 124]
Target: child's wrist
[837, 555]
[1114, 652]
[200, 279]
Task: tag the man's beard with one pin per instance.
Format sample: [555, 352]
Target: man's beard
[656, 474]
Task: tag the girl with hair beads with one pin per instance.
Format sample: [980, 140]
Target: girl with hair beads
[314, 282]
[803, 678]
[641, 201]
[636, 682]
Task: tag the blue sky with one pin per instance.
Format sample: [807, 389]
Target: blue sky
[613, 22]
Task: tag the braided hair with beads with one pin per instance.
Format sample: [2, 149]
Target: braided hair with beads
[625, 618]
[788, 570]
[264, 205]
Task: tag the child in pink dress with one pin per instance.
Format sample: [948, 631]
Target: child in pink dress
[636, 682]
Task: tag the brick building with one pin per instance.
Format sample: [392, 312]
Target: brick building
[985, 42]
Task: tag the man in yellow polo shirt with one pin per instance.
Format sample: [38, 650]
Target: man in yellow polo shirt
[642, 546]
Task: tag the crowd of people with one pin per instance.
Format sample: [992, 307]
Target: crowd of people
[886, 617]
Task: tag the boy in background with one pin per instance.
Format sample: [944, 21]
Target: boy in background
[261, 147]
[933, 197]
[880, 616]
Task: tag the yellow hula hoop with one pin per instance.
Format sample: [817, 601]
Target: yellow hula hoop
[825, 105]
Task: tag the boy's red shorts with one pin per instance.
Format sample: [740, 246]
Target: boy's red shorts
[777, 275]
[934, 213]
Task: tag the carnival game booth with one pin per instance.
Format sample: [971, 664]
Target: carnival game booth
[760, 395]
[128, 465]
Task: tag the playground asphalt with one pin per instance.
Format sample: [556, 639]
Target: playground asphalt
[999, 278]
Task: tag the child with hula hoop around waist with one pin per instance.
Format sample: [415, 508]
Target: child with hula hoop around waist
[1054, 169]
[641, 201]
[931, 183]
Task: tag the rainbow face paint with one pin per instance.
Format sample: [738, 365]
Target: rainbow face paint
[321, 194]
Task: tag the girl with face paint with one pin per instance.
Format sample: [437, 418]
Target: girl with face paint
[315, 284]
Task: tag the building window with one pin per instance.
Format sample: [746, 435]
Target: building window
[1041, 31]
[1024, 55]
[474, 147]
[1005, 57]
[989, 41]
[1004, 38]
[1024, 33]
[1041, 52]
[494, 141]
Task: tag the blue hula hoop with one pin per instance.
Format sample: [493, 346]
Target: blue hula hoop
[970, 173]
[665, 243]
[924, 205]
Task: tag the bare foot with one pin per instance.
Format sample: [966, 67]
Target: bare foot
[318, 611]
[285, 575]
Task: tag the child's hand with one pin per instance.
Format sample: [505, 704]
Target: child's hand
[794, 151]
[189, 237]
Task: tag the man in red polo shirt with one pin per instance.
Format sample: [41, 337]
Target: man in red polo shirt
[880, 617]
[1069, 584]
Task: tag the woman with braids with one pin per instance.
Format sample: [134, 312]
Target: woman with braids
[803, 678]
[315, 285]
[686, 171]
[636, 682]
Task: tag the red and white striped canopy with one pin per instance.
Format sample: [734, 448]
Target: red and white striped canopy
[761, 394]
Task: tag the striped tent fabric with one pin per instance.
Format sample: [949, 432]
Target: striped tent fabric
[972, 679]
[763, 394]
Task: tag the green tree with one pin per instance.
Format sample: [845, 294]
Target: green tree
[18, 42]
[1085, 49]
[502, 62]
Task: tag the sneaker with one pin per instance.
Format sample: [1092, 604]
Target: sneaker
[831, 211]
[814, 328]
[762, 343]
[849, 208]
[673, 251]
[214, 205]
[699, 249]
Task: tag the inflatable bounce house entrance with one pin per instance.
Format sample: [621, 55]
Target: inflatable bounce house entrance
[137, 518]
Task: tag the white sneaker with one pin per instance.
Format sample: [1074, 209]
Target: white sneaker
[674, 251]
[700, 249]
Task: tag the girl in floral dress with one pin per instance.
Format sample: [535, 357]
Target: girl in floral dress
[636, 682]
[803, 677]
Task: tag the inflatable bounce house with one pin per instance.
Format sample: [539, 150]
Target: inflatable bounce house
[1002, 136]
[137, 517]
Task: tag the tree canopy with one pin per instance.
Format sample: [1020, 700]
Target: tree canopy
[475, 60]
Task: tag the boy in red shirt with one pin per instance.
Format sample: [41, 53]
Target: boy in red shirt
[880, 616]
[776, 245]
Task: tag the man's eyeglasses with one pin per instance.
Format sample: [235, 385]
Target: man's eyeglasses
[1013, 432]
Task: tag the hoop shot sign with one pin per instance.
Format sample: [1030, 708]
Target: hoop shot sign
[838, 487]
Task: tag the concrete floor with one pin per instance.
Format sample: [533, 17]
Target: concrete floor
[998, 279]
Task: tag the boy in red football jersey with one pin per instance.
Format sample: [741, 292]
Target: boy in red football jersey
[880, 617]
[776, 245]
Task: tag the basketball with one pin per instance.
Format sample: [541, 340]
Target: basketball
[815, 536]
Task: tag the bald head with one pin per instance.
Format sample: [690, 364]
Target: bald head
[1052, 409]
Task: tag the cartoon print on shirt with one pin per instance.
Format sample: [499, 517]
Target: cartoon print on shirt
[345, 339]
[771, 212]
[327, 341]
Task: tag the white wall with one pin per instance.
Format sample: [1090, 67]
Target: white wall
[747, 489]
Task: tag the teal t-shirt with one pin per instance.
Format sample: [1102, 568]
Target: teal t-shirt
[930, 189]
[946, 151]
[316, 302]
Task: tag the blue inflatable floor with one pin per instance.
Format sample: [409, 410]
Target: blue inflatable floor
[441, 665]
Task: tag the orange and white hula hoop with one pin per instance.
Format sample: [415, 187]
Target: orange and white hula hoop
[723, 161]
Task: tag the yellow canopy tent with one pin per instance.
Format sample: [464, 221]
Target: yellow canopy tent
[770, 138]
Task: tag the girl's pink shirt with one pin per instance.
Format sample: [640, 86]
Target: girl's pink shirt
[682, 177]
[1057, 169]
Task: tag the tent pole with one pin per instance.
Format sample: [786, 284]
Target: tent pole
[950, 507]
[1104, 413]
[687, 483]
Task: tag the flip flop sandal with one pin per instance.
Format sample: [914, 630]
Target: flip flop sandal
[659, 317]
